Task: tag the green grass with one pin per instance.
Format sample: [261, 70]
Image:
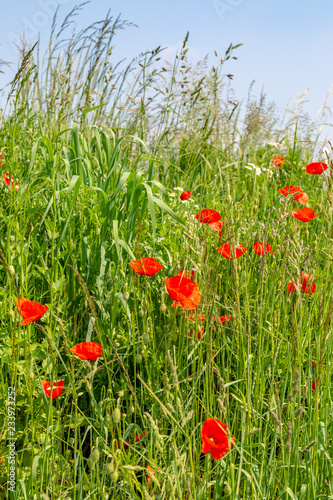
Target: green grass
[96, 191]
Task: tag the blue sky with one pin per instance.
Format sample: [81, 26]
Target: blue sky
[287, 43]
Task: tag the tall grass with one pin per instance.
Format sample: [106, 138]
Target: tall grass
[98, 153]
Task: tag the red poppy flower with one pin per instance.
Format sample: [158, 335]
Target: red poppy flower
[305, 283]
[185, 195]
[87, 350]
[304, 214]
[147, 266]
[185, 292]
[208, 216]
[216, 226]
[223, 319]
[214, 438]
[316, 168]
[138, 437]
[56, 390]
[7, 181]
[30, 311]
[187, 274]
[151, 471]
[259, 248]
[228, 251]
[301, 197]
[277, 161]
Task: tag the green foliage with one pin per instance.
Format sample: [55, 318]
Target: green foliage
[99, 186]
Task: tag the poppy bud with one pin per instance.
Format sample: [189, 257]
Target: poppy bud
[11, 270]
[138, 358]
[11, 314]
[227, 490]
[110, 468]
[115, 476]
[163, 308]
[255, 208]
[98, 230]
[315, 244]
[141, 313]
[120, 261]
[146, 338]
[131, 409]
[94, 456]
[116, 415]
[121, 394]
[228, 199]
[126, 296]
[307, 234]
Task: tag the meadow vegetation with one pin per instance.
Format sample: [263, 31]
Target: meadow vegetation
[101, 154]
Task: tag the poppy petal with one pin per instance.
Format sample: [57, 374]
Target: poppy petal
[87, 350]
[208, 216]
[146, 266]
[184, 291]
[316, 168]
[304, 214]
[185, 195]
[30, 311]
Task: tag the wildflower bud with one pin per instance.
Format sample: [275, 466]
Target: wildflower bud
[115, 476]
[227, 490]
[228, 199]
[163, 308]
[110, 468]
[146, 338]
[307, 234]
[116, 415]
[11, 270]
[138, 358]
[126, 296]
[141, 313]
[120, 261]
[315, 245]
[94, 456]
[121, 394]
[131, 410]
[11, 314]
